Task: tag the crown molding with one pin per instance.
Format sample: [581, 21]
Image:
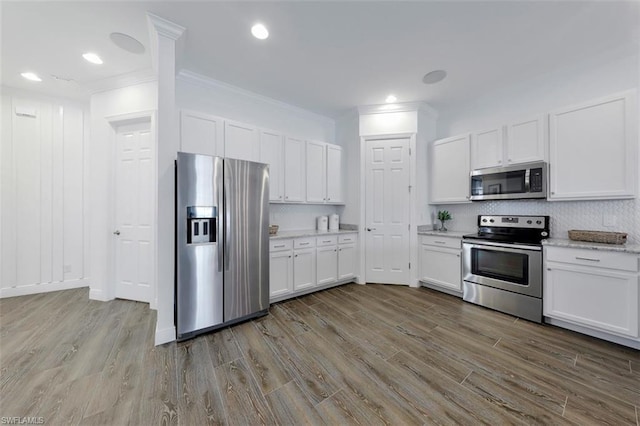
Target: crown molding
[165, 27]
[210, 83]
[422, 107]
[123, 80]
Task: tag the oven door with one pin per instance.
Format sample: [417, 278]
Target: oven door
[511, 267]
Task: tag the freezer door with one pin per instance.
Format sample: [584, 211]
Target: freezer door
[246, 269]
[199, 237]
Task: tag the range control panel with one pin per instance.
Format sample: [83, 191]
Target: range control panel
[534, 222]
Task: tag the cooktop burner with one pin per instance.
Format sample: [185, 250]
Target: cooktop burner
[511, 229]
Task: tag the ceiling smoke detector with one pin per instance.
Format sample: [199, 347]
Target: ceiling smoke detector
[434, 77]
[127, 43]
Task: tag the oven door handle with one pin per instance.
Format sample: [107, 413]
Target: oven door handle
[512, 248]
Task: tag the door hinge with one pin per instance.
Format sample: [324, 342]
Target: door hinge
[409, 151]
[409, 227]
[409, 188]
[409, 265]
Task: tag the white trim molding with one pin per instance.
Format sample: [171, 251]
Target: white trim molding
[398, 107]
[165, 27]
[43, 288]
[122, 80]
[165, 335]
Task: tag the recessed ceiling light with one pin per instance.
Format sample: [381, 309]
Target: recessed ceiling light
[31, 76]
[93, 58]
[391, 99]
[434, 76]
[259, 31]
[127, 43]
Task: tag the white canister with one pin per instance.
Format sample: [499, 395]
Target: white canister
[322, 223]
[334, 222]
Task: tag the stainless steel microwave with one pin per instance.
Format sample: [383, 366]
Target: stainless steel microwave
[527, 180]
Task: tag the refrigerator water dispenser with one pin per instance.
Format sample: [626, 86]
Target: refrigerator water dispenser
[201, 224]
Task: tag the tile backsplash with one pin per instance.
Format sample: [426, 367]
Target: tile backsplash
[565, 215]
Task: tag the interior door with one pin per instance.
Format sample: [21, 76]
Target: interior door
[134, 214]
[387, 213]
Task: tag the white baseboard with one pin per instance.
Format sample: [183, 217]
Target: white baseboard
[42, 288]
[632, 343]
[99, 295]
[165, 335]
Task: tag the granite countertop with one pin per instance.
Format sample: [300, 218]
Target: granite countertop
[560, 242]
[309, 233]
[450, 234]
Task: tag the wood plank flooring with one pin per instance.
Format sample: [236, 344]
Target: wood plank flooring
[368, 355]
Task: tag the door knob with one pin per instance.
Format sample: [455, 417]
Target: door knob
[371, 229]
[116, 232]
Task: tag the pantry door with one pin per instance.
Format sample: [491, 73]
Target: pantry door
[134, 212]
[387, 214]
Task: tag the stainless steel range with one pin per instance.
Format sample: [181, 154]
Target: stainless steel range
[502, 264]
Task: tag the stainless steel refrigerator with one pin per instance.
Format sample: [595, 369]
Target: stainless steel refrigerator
[222, 242]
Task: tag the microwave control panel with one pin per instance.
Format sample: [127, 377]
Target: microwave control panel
[536, 183]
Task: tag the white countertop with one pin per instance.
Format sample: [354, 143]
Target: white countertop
[560, 242]
[309, 233]
[451, 234]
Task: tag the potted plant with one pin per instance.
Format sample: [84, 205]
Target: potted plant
[443, 216]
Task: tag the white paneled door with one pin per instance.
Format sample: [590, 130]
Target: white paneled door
[387, 211]
[135, 202]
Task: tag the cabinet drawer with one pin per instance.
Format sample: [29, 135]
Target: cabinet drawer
[329, 240]
[348, 238]
[597, 258]
[278, 245]
[432, 240]
[304, 242]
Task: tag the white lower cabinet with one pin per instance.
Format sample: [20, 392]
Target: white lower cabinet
[301, 264]
[594, 289]
[440, 265]
[304, 269]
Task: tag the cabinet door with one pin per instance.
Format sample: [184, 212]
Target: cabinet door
[304, 269]
[316, 162]
[271, 153]
[487, 149]
[201, 133]
[449, 171]
[334, 174]
[591, 149]
[603, 299]
[346, 261]
[280, 273]
[294, 170]
[525, 141]
[327, 264]
[241, 141]
[441, 267]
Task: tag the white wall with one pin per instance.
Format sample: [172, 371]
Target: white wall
[127, 100]
[347, 135]
[44, 204]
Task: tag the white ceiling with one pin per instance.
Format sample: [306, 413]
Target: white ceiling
[323, 56]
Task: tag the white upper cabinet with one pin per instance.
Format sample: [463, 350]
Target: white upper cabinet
[334, 174]
[294, 170]
[324, 173]
[522, 141]
[241, 141]
[525, 141]
[316, 160]
[449, 171]
[592, 149]
[486, 149]
[272, 153]
[201, 133]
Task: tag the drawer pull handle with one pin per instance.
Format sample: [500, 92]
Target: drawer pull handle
[280, 246]
[326, 241]
[304, 244]
[586, 258]
[440, 242]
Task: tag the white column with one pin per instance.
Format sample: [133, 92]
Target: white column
[164, 36]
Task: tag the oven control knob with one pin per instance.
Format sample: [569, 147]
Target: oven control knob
[544, 233]
[484, 220]
[529, 222]
[491, 220]
[539, 222]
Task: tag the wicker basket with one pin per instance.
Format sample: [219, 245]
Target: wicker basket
[598, 236]
[273, 229]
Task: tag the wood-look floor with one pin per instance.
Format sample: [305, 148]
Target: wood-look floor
[349, 355]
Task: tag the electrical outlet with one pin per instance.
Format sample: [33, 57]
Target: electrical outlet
[609, 220]
[67, 269]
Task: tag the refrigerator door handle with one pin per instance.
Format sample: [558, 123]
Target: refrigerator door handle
[227, 226]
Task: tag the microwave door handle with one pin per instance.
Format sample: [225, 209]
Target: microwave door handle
[527, 181]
